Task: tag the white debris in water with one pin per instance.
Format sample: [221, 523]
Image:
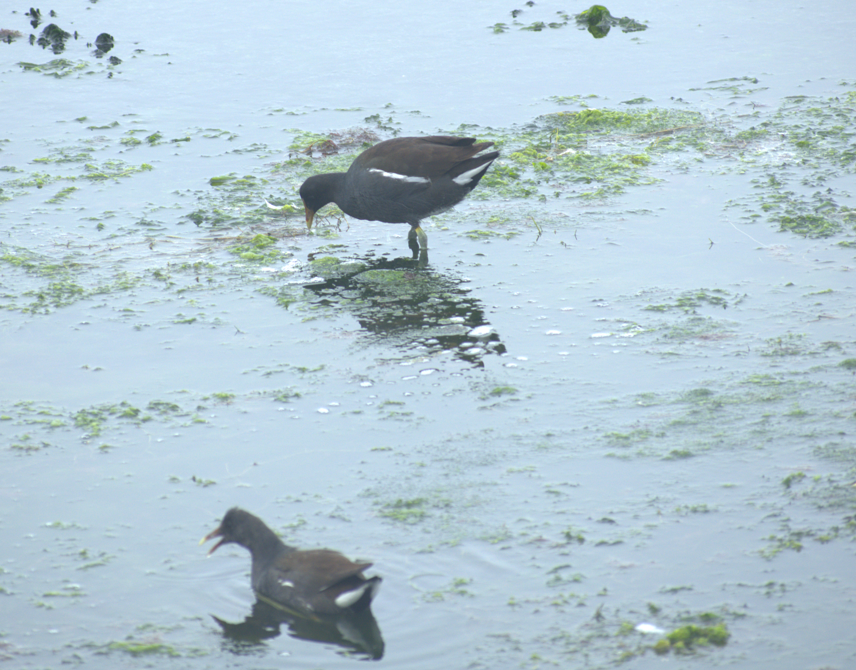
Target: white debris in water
[480, 332]
[649, 629]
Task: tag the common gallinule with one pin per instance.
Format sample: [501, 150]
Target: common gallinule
[319, 581]
[402, 180]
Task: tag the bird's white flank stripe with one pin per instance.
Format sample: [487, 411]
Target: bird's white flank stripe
[286, 583]
[402, 177]
[466, 177]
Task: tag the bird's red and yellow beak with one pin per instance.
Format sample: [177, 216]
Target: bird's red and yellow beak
[214, 533]
[310, 215]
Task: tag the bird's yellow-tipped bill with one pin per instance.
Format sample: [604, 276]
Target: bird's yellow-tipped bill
[310, 215]
[212, 534]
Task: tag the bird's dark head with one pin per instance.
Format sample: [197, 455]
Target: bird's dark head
[317, 191]
[235, 527]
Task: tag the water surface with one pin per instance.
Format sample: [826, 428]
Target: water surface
[659, 432]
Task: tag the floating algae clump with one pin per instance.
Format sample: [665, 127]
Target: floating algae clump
[687, 638]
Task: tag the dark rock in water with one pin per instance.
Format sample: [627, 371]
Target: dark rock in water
[54, 38]
[103, 44]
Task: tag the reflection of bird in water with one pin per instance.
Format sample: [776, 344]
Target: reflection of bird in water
[402, 180]
[357, 631]
[318, 581]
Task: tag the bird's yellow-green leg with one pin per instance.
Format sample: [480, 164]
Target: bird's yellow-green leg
[422, 237]
[417, 238]
[412, 243]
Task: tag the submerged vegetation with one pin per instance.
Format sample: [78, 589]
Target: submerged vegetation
[590, 155]
[596, 20]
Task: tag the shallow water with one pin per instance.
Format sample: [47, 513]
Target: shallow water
[659, 431]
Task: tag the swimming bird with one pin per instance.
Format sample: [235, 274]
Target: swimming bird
[318, 581]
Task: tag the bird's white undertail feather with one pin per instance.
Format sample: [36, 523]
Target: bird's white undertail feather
[348, 598]
[466, 177]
